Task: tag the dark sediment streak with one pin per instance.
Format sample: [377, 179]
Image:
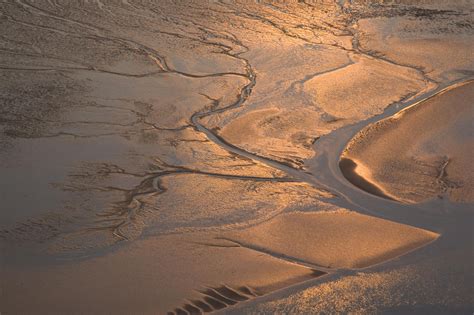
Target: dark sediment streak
[348, 167]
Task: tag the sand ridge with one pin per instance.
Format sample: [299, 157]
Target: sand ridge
[334, 239]
[433, 163]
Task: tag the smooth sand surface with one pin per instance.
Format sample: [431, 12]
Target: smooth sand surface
[423, 152]
[149, 277]
[334, 239]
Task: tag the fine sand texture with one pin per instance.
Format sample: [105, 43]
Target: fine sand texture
[204, 272]
[334, 239]
[182, 157]
[171, 273]
[420, 153]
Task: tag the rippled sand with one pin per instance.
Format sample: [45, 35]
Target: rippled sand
[183, 157]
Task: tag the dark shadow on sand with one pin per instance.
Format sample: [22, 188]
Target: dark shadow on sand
[348, 167]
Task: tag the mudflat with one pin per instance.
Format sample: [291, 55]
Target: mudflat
[419, 153]
[247, 157]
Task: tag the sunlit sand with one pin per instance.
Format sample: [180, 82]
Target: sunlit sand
[434, 163]
[238, 157]
[155, 275]
[334, 239]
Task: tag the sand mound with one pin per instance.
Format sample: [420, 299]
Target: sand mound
[336, 239]
[419, 153]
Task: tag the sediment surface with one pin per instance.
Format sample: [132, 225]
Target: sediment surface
[183, 157]
[420, 153]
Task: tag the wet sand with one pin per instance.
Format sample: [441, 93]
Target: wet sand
[172, 273]
[419, 153]
[348, 168]
[183, 158]
[333, 239]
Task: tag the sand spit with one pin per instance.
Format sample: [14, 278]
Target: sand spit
[204, 272]
[413, 289]
[422, 152]
[335, 239]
